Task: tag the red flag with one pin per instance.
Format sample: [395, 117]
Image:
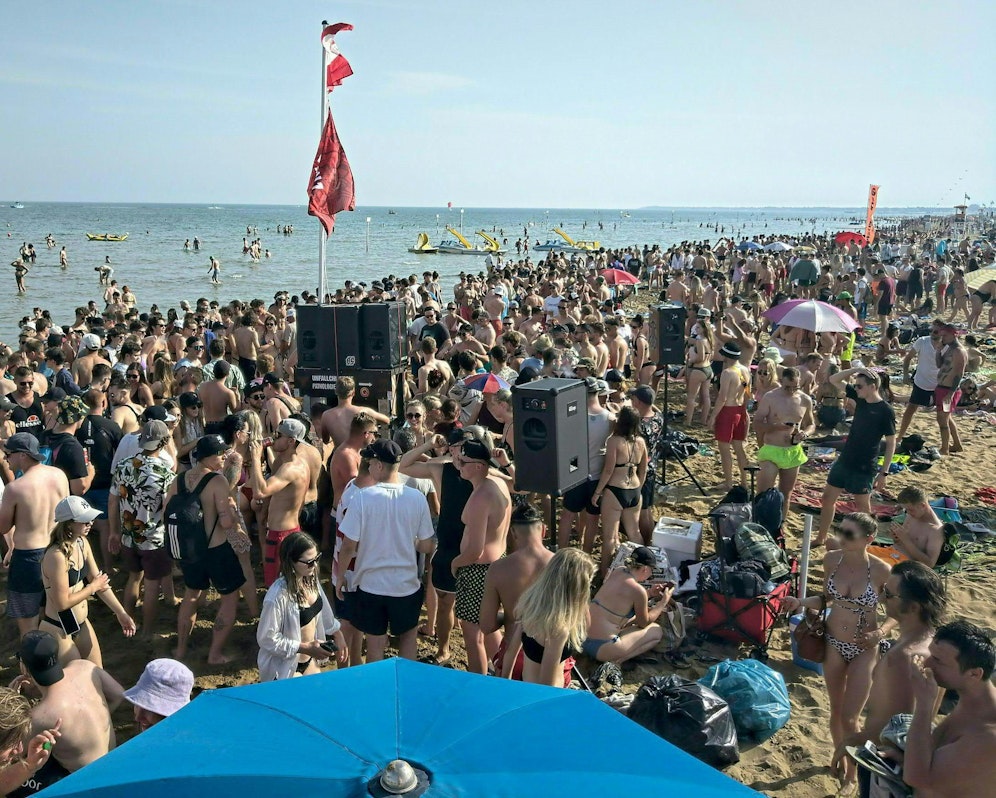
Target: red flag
[339, 68]
[331, 188]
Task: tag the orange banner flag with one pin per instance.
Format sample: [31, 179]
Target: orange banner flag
[870, 218]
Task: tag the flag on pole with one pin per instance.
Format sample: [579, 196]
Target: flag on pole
[331, 187]
[870, 217]
[338, 68]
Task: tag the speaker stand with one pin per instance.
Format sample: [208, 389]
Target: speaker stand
[664, 458]
[553, 523]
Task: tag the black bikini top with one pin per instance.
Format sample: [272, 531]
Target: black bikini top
[308, 614]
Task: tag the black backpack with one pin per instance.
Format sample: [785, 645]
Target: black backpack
[185, 533]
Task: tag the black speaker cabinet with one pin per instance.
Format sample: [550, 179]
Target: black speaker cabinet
[666, 334]
[382, 331]
[551, 435]
[383, 391]
[328, 338]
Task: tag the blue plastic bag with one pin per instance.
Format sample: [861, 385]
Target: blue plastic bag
[756, 694]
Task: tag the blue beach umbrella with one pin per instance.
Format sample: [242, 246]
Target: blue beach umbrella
[333, 734]
[743, 246]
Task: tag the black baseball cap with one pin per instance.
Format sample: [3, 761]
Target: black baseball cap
[614, 376]
[40, 655]
[157, 413]
[208, 446]
[644, 393]
[382, 449]
[479, 451]
[455, 436]
[644, 555]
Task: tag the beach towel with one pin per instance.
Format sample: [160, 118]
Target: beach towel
[808, 498]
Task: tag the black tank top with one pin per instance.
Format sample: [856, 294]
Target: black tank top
[454, 493]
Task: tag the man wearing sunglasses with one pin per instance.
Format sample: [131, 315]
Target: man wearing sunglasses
[286, 490]
[28, 415]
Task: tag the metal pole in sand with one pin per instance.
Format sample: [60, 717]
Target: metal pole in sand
[321, 129]
[807, 534]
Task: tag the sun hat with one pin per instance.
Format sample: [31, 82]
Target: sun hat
[590, 386]
[586, 363]
[603, 388]
[292, 428]
[845, 295]
[163, 688]
[72, 409]
[384, 450]
[39, 654]
[75, 508]
[152, 435]
[772, 353]
[23, 442]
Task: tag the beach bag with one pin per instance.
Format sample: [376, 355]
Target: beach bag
[768, 506]
[690, 716]
[753, 542]
[949, 558]
[186, 537]
[672, 622]
[756, 694]
[811, 634]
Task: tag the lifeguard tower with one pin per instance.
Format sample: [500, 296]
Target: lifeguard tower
[960, 217]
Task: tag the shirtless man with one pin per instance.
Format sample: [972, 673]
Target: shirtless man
[27, 515]
[77, 699]
[218, 399]
[337, 420]
[220, 567]
[286, 490]
[952, 359]
[277, 405]
[601, 348]
[915, 597]
[83, 364]
[345, 460]
[312, 457]
[508, 579]
[427, 349]
[677, 290]
[958, 757]
[921, 536]
[618, 348]
[729, 417]
[785, 416]
[245, 342]
[485, 519]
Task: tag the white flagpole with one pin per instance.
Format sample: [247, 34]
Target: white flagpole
[321, 129]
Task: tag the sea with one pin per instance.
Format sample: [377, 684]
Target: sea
[367, 244]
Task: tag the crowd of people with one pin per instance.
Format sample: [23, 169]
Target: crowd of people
[177, 437]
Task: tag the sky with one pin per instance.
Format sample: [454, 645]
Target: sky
[548, 103]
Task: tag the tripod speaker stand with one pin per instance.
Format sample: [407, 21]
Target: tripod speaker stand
[667, 449]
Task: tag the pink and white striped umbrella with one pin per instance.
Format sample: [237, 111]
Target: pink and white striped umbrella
[812, 315]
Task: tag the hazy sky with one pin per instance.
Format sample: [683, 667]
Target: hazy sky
[548, 103]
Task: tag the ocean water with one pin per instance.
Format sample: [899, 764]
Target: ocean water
[154, 265]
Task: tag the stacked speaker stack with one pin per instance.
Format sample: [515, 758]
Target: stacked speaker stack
[666, 334]
[366, 342]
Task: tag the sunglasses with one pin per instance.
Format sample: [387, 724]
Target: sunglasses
[197, 347]
[311, 563]
[26, 384]
[256, 396]
[132, 376]
[413, 415]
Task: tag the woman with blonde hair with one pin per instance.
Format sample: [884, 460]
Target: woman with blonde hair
[68, 560]
[552, 618]
[163, 382]
[698, 369]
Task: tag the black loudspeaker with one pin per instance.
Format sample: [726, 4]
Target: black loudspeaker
[667, 334]
[328, 338]
[550, 419]
[383, 329]
[381, 390]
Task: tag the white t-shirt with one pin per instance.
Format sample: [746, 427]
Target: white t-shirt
[926, 364]
[386, 520]
[129, 448]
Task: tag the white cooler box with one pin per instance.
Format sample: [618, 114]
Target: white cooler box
[682, 540]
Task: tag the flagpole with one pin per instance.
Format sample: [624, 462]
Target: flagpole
[321, 127]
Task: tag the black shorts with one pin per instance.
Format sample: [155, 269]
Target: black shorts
[442, 577]
[648, 490]
[374, 614]
[219, 567]
[308, 519]
[884, 310]
[853, 481]
[578, 498]
[921, 397]
[343, 607]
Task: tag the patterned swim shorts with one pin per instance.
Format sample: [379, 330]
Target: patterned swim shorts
[470, 591]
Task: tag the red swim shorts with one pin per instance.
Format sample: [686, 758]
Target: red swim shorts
[271, 554]
[946, 399]
[731, 424]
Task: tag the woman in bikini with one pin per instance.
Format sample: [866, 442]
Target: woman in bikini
[984, 293]
[138, 387]
[297, 620]
[698, 371]
[552, 619]
[623, 625]
[67, 562]
[852, 587]
[618, 489]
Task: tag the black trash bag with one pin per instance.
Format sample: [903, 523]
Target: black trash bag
[690, 716]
